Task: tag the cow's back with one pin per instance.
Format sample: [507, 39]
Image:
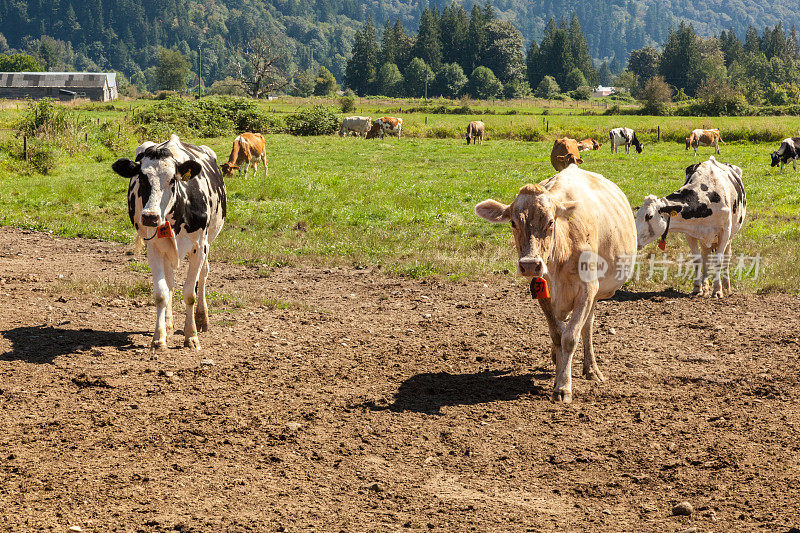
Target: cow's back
[206, 203]
[607, 215]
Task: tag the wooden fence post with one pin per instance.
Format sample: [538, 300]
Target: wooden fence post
[547, 130]
[25, 146]
[659, 133]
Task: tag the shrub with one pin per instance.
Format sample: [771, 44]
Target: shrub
[348, 101]
[657, 96]
[44, 118]
[719, 99]
[484, 84]
[547, 88]
[516, 88]
[584, 92]
[318, 120]
[43, 159]
[574, 79]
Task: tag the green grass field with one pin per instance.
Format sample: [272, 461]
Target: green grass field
[407, 205]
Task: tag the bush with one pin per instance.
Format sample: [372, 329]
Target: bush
[44, 118]
[348, 102]
[584, 92]
[657, 96]
[228, 86]
[318, 120]
[42, 159]
[719, 99]
[483, 84]
[516, 89]
[547, 88]
[574, 79]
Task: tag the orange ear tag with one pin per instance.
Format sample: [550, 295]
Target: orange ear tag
[662, 245]
[539, 288]
[165, 231]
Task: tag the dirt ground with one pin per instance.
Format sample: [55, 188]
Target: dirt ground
[348, 400]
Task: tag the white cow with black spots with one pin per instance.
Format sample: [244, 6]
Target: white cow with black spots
[177, 203]
[625, 137]
[709, 209]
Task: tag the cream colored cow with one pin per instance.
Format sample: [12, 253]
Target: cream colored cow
[575, 230]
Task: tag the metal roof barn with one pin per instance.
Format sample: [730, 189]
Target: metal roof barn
[98, 86]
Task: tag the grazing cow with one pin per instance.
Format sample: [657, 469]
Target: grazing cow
[588, 144]
[626, 137]
[575, 230]
[709, 209]
[700, 137]
[475, 130]
[358, 125]
[384, 125]
[177, 203]
[247, 148]
[790, 149]
[564, 153]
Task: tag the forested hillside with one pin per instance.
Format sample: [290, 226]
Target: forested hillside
[124, 34]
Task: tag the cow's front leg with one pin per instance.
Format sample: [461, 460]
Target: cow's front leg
[590, 368]
[162, 293]
[201, 314]
[196, 262]
[554, 326]
[697, 264]
[169, 275]
[562, 391]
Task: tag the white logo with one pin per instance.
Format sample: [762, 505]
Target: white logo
[591, 266]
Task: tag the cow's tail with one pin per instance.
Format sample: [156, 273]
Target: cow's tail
[721, 141]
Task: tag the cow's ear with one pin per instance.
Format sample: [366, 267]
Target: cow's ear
[671, 209]
[126, 168]
[493, 211]
[566, 209]
[188, 169]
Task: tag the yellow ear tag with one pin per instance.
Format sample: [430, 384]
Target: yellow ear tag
[673, 213]
[186, 175]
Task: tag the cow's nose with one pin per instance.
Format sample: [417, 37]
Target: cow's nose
[149, 220]
[531, 267]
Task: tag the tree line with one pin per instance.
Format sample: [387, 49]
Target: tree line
[456, 53]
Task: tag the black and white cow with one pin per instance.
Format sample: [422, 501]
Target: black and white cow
[790, 149]
[177, 203]
[626, 137]
[709, 209]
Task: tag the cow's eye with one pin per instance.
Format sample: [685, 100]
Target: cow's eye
[549, 224]
[513, 224]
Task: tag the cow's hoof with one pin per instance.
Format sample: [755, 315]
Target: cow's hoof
[717, 294]
[158, 346]
[594, 375]
[192, 343]
[201, 322]
[562, 396]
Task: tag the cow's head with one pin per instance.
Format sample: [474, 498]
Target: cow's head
[228, 169]
[651, 219]
[640, 148]
[688, 142]
[776, 160]
[533, 215]
[375, 130]
[158, 172]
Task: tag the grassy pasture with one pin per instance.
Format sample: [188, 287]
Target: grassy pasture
[407, 205]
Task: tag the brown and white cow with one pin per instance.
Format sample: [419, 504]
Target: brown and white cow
[575, 230]
[701, 137]
[358, 125]
[475, 130]
[247, 148]
[588, 144]
[564, 153]
[385, 125]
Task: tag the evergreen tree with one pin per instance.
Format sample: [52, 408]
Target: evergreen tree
[752, 44]
[605, 77]
[428, 45]
[477, 39]
[644, 62]
[403, 45]
[580, 50]
[681, 58]
[453, 29]
[361, 68]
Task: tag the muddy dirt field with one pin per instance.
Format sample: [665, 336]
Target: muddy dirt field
[348, 400]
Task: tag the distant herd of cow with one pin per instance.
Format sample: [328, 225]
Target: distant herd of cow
[575, 233]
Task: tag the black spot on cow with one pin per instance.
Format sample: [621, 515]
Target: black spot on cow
[692, 206]
[205, 249]
[714, 197]
[155, 152]
[703, 187]
[648, 216]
